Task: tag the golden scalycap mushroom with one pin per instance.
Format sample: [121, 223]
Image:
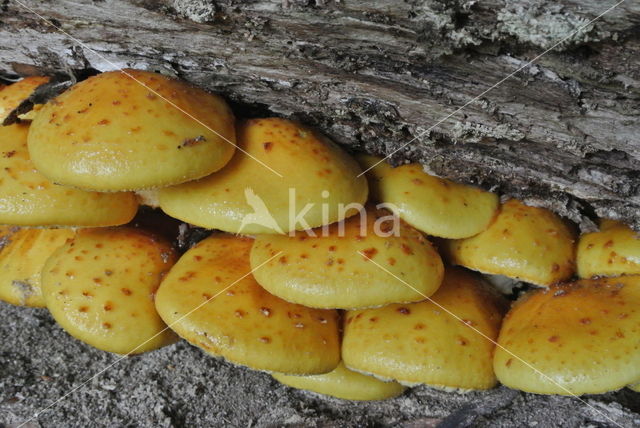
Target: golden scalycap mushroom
[344, 383]
[27, 198]
[131, 130]
[340, 266]
[527, 243]
[14, 94]
[23, 253]
[434, 205]
[422, 343]
[100, 287]
[582, 336]
[246, 197]
[210, 299]
[613, 251]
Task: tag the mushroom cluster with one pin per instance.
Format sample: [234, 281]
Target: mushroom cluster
[339, 275]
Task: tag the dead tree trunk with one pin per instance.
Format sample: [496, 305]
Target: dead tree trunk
[563, 133]
[375, 75]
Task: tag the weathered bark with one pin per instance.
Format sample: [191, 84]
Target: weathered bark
[563, 133]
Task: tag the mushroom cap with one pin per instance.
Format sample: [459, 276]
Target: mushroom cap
[421, 343]
[613, 251]
[434, 205]
[27, 198]
[527, 243]
[210, 299]
[635, 387]
[100, 287]
[23, 253]
[12, 95]
[111, 133]
[245, 197]
[343, 383]
[339, 267]
[582, 336]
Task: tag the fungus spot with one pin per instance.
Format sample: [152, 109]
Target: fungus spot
[126, 291]
[403, 310]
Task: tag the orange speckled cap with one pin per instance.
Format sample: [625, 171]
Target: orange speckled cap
[111, 133]
[12, 95]
[527, 243]
[434, 205]
[239, 320]
[422, 343]
[344, 383]
[23, 253]
[100, 287]
[614, 250]
[245, 197]
[582, 336]
[339, 267]
[27, 198]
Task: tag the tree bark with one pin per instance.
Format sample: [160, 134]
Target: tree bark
[381, 76]
[388, 77]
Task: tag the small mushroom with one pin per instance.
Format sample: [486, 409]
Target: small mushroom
[23, 253]
[343, 266]
[613, 251]
[434, 205]
[527, 243]
[317, 182]
[13, 95]
[100, 287]
[27, 198]
[211, 299]
[444, 342]
[343, 383]
[572, 339]
[130, 130]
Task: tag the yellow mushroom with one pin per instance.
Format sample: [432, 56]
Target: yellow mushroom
[527, 243]
[572, 339]
[129, 130]
[318, 181]
[23, 253]
[340, 266]
[444, 342]
[211, 299]
[635, 387]
[344, 383]
[14, 94]
[100, 287]
[613, 251]
[27, 198]
[434, 205]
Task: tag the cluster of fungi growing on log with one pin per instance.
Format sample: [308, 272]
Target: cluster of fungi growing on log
[355, 302]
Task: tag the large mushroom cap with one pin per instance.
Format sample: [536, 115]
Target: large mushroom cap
[613, 251]
[211, 300]
[340, 266]
[23, 253]
[582, 338]
[434, 205]
[527, 243]
[423, 342]
[247, 197]
[131, 129]
[14, 94]
[344, 383]
[100, 287]
[27, 198]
